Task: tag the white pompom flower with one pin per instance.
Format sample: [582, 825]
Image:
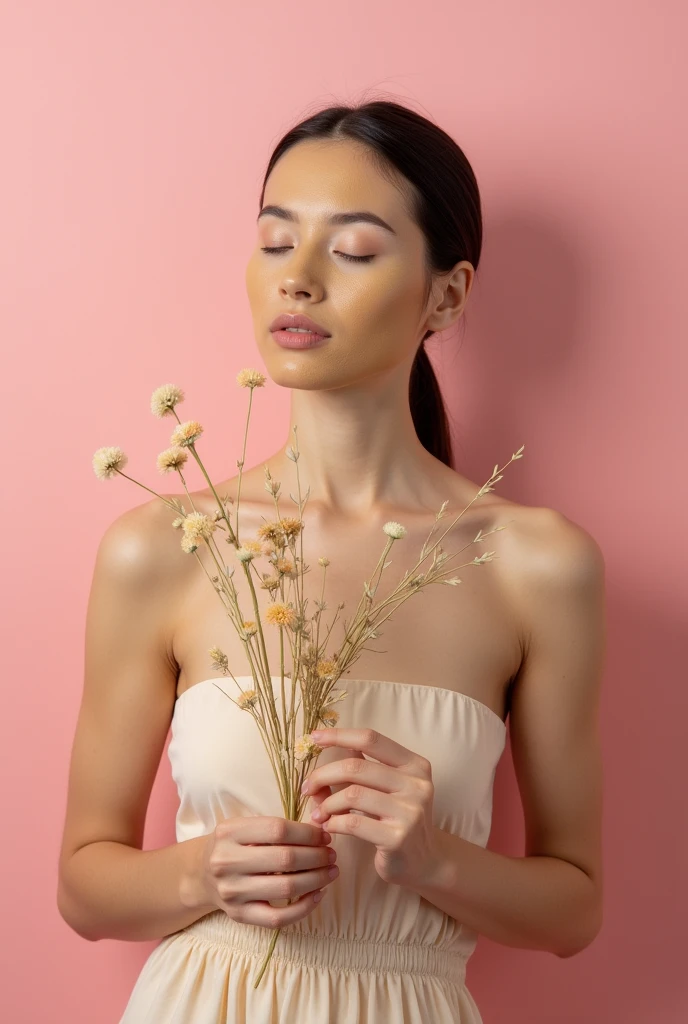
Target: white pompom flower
[108, 461]
[164, 399]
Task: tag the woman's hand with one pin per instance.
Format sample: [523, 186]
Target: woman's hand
[397, 787]
[247, 861]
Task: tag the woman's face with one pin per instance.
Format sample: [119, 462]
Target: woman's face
[373, 310]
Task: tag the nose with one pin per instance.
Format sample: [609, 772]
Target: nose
[294, 287]
[299, 279]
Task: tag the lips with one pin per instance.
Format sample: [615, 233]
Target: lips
[285, 320]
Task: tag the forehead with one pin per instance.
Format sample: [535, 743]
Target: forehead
[317, 177]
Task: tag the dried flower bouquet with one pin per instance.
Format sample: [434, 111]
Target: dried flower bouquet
[313, 672]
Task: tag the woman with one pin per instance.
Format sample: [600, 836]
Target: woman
[370, 227]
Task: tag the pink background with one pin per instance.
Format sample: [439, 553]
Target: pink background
[134, 136]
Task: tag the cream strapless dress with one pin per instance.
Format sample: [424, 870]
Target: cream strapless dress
[370, 952]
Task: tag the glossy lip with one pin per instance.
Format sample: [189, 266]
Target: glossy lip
[298, 341]
[298, 320]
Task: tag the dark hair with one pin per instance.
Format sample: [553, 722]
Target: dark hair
[444, 200]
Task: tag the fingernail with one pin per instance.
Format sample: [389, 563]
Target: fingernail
[327, 837]
[332, 855]
[333, 872]
[317, 896]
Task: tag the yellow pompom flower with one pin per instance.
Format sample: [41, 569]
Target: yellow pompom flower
[197, 525]
[286, 567]
[278, 614]
[270, 531]
[250, 379]
[326, 668]
[291, 527]
[247, 699]
[249, 550]
[186, 433]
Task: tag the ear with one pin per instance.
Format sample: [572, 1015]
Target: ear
[454, 287]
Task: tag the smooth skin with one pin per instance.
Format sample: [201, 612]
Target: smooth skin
[527, 631]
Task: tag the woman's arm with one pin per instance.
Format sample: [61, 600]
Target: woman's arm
[108, 886]
[550, 899]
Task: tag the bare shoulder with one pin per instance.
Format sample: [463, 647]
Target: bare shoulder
[140, 541]
[554, 570]
[142, 570]
[541, 547]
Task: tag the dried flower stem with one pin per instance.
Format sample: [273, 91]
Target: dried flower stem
[240, 464]
[197, 457]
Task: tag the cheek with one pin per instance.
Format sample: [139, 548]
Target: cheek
[374, 291]
[389, 312]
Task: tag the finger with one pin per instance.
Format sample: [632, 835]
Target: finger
[383, 834]
[384, 806]
[285, 886]
[348, 769]
[321, 794]
[257, 860]
[260, 912]
[315, 800]
[251, 830]
[370, 742]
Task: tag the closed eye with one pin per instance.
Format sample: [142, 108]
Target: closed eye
[344, 255]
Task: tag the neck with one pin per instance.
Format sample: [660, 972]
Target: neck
[358, 449]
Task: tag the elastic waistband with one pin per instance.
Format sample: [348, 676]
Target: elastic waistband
[328, 952]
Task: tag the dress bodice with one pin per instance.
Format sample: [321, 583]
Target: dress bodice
[221, 769]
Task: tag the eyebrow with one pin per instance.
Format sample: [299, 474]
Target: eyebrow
[337, 218]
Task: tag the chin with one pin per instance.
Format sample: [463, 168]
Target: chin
[289, 373]
[325, 368]
[308, 370]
